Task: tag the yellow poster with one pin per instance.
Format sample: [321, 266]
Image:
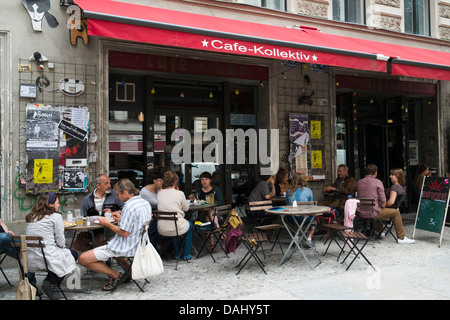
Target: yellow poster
[316, 130]
[43, 170]
[316, 159]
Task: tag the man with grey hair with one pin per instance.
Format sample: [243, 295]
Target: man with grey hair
[343, 186]
[103, 199]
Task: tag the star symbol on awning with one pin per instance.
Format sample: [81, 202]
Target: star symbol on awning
[314, 57]
[205, 43]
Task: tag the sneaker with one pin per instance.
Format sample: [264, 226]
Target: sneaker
[405, 240]
[309, 243]
[49, 289]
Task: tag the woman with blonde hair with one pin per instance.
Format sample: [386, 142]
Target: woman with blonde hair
[299, 191]
[173, 200]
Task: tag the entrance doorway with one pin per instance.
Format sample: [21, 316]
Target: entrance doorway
[173, 105]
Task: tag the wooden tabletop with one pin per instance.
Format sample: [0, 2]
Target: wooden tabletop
[202, 206]
[300, 210]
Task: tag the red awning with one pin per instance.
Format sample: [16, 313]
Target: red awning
[158, 26]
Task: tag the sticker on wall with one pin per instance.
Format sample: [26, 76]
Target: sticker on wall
[38, 9]
[71, 87]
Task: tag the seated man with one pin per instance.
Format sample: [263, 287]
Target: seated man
[344, 186]
[372, 188]
[135, 212]
[103, 199]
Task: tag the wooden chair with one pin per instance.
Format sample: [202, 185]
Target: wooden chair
[171, 216]
[33, 242]
[258, 206]
[219, 212]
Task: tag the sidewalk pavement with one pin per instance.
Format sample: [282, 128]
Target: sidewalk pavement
[418, 271]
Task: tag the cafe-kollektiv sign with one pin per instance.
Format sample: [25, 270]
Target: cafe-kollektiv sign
[433, 204]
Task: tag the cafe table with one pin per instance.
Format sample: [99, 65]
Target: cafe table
[298, 231]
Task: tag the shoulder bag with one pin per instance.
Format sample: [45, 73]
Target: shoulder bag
[25, 291]
[146, 262]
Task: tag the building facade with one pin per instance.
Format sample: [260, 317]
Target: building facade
[120, 87]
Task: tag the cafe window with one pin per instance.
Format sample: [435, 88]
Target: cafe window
[349, 11]
[125, 92]
[270, 4]
[417, 17]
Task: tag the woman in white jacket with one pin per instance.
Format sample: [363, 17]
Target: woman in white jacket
[45, 221]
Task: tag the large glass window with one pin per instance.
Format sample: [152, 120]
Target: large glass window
[271, 4]
[349, 11]
[417, 17]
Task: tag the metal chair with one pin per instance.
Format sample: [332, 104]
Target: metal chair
[261, 206]
[212, 231]
[33, 242]
[388, 224]
[171, 216]
[3, 257]
[252, 242]
[129, 260]
[352, 239]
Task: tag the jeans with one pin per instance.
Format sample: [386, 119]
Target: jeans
[6, 247]
[187, 243]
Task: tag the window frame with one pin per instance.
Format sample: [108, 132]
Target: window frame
[426, 19]
[344, 5]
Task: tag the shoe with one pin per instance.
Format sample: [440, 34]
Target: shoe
[383, 234]
[113, 283]
[310, 243]
[50, 291]
[405, 240]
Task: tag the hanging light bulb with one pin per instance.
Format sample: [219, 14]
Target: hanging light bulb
[211, 94]
[182, 94]
[236, 92]
[153, 91]
[141, 116]
[284, 77]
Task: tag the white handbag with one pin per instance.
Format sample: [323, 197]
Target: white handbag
[146, 262]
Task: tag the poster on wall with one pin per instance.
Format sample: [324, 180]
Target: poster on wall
[307, 150]
[57, 148]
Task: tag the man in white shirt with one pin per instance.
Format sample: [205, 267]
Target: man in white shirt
[135, 212]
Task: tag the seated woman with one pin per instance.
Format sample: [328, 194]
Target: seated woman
[149, 192]
[397, 190]
[281, 182]
[46, 221]
[300, 192]
[203, 194]
[264, 190]
[173, 200]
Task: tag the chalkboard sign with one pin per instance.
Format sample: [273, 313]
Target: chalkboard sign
[433, 204]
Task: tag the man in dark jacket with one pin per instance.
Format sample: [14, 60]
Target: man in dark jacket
[344, 186]
[102, 199]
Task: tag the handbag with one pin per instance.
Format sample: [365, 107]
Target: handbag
[146, 262]
[25, 291]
